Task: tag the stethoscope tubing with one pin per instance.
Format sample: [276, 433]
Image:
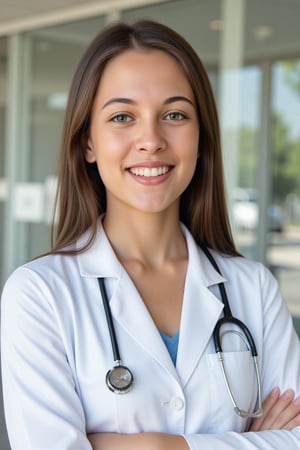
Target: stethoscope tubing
[120, 379]
[109, 320]
[241, 325]
[248, 339]
[228, 316]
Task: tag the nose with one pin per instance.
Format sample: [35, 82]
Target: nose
[150, 138]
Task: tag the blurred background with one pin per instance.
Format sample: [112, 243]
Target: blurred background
[251, 49]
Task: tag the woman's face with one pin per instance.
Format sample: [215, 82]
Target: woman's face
[144, 131]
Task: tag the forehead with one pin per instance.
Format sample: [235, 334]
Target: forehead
[142, 69]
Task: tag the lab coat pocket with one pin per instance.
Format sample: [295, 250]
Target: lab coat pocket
[241, 376]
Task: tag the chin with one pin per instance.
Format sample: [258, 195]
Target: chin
[157, 208]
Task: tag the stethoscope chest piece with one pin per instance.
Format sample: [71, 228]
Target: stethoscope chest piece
[119, 379]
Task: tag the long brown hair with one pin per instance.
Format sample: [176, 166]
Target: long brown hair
[81, 193]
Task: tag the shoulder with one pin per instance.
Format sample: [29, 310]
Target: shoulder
[43, 281]
[241, 264]
[245, 272]
[43, 268]
[51, 266]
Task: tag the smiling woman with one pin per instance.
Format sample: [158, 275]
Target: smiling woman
[130, 276]
[144, 134]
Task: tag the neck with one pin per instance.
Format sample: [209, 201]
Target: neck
[150, 238]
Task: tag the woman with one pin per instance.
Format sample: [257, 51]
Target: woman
[141, 197]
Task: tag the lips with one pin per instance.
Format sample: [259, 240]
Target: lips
[149, 172]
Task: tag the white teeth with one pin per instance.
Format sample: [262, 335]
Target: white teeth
[149, 171]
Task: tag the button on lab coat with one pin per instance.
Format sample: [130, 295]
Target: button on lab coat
[56, 351]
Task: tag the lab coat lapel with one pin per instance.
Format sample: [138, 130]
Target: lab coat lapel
[130, 311]
[200, 313]
[126, 305]
[201, 309]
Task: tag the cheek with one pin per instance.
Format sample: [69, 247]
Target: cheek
[190, 144]
[113, 147]
[111, 150]
[106, 176]
[191, 154]
[189, 159]
[110, 163]
[189, 139]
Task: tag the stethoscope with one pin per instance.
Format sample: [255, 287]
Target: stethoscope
[246, 337]
[120, 379]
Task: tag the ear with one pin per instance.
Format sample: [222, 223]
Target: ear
[89, 153]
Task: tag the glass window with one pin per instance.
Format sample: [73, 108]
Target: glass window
[3, 192]
[196, 20]
[245, 211]
[54, 55]
[271, 43]
[3, 108]
[284, 208]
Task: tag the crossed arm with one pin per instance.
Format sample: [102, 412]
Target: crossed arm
[280, 412]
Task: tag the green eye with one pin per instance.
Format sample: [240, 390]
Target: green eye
[175, 116]
[121, 118]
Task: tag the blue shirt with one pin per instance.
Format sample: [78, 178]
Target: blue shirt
[171, 344]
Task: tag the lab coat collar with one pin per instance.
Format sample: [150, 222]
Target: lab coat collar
[200, 312]
[100, 261]
[200, 266]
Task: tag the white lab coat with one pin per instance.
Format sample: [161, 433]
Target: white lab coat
[56, 351]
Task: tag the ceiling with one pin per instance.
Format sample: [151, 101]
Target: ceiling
[271, 27]
[61, 29]
[16, 15]
[12, 10]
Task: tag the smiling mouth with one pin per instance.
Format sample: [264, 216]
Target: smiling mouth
[149, 171]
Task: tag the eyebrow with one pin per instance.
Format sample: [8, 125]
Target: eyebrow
[178, 98]
[128, 101]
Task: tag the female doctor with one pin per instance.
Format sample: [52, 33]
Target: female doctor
[108, 341]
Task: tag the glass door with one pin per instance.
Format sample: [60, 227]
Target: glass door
[3, 110]
[284, 207]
